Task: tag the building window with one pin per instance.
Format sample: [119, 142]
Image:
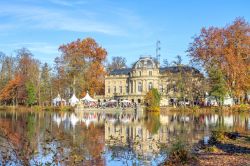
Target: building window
[114, 89]
[150, 86]
[175, 88]
[150, 73]
[168, 88]
[139, 73]
[121, 89]
[108, 89]
[161, 88]
[131, 86]
[139, 87]
[127, 90]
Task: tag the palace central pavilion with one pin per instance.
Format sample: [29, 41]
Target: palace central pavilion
[133, 83]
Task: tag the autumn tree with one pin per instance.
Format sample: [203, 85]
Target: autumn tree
[7, 69]
[60, 83]
[229, 49]
[117, 62]
[82, 61]
[9, 94]
[28, 68]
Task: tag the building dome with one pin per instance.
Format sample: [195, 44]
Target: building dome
[146, 63]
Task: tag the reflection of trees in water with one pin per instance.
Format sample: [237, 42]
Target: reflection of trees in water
[19, 144]
[33, 138]
[30, 139]
[152, 122]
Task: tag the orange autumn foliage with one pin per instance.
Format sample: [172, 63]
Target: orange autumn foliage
[10, 90]
[228, 49]
[83, 63]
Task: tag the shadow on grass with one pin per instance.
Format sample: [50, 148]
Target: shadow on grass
[231, 148]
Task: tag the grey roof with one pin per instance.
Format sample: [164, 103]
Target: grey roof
[120, 71]
[176, 69]
[172, 69]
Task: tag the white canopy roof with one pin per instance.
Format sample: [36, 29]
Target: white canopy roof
[113, 101]
[58, 99]
[88, 98]
[125, 101]
[73, 100]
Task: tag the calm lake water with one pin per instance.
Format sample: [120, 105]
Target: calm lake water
[90, 138]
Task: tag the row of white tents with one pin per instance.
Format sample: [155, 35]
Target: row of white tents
[72, 101]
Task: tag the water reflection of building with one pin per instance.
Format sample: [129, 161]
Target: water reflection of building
[144, 142]
[144, 135]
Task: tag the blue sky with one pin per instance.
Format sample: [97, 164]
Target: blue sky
[128, 28]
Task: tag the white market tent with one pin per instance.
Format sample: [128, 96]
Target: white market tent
[113, 101]
[87, 98]
[73, 100]
[126, 101]
[58, 100]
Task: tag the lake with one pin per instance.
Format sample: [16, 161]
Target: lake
[99, 138]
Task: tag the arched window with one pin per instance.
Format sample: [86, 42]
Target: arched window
[139, 87]
[114, 89]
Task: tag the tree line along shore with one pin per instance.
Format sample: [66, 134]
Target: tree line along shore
[222, 53]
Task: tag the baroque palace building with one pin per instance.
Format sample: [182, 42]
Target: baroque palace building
[133, 83]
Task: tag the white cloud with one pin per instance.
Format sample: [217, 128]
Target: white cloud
[35, 47]
[37, 17]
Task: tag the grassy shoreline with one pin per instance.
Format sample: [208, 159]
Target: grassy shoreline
[197, 109]
[188, 110]
[36, 108]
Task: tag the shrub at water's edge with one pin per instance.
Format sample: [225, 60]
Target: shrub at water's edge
[152, 100]
[179, 154]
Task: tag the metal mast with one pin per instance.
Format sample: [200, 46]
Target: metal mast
[158, 48]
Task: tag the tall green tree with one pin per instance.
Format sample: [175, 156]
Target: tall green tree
[218, 84]
[31, 94]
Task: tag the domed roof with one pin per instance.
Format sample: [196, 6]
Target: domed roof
[146, 62]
